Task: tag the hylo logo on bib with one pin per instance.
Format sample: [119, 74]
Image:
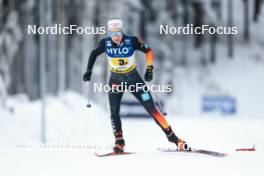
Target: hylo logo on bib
[123, 50]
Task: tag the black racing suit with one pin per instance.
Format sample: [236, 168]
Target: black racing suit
[130, 78]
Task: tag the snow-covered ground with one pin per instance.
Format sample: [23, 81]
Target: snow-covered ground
[147, 161]
[218, 134]
[74, 133]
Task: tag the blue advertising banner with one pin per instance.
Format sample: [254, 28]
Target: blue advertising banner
[217, 103]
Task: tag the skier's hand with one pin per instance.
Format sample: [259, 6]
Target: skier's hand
[149, 73]
[87, 75]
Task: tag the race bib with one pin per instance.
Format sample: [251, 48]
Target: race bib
[119, 61]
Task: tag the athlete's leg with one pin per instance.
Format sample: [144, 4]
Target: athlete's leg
[114, 101]
[146, 100]
[115, 97]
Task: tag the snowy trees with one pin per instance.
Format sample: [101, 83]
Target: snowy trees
[10, 38]
[67, 55]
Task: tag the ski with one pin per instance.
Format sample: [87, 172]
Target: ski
[205, 152]
[246, 149]
[113, 154]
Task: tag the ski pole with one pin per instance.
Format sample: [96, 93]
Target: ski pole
[88, 98]
[159, 104]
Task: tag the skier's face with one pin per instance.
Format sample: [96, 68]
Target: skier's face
[116, 34]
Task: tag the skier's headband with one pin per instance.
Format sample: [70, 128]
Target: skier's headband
[115, 24]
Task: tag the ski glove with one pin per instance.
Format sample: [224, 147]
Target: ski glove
[149, 73]
[87, 75]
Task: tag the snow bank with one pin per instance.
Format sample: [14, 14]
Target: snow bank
[67, 118]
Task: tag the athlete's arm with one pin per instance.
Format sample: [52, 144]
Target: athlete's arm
[142, 46]
[96, 52]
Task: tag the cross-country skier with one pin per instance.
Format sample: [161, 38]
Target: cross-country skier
[120, 51]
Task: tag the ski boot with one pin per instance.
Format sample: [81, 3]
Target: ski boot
[181, 144]
[119, 143]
